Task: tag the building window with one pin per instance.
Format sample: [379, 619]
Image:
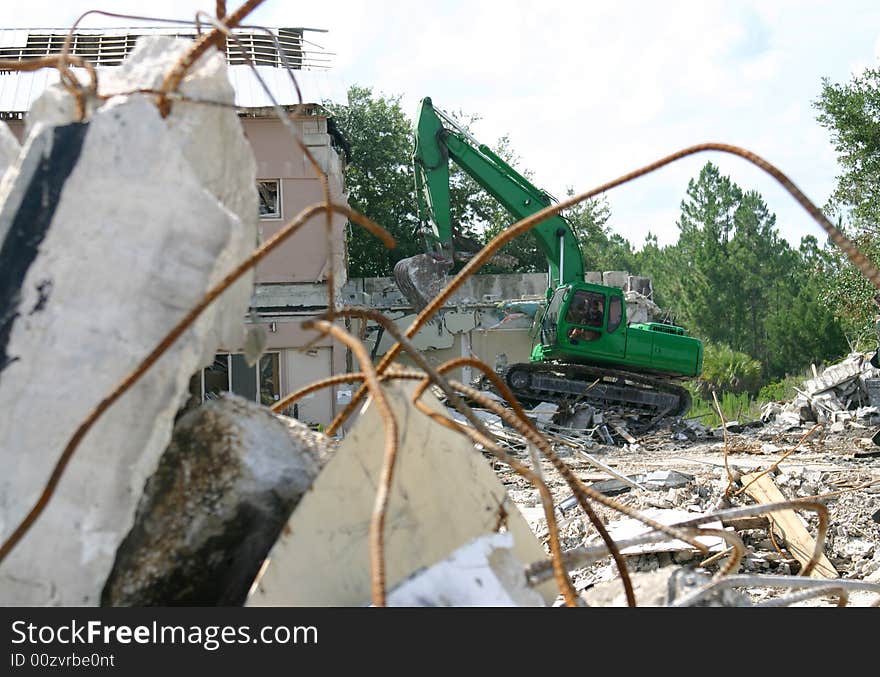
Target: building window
[270, 199]
[230, 373]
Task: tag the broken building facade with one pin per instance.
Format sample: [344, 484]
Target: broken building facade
[290, 283]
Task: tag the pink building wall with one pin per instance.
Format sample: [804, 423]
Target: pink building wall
[304, 257]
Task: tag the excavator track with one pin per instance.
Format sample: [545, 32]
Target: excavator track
[602, 387]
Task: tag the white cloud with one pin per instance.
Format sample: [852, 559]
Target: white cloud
[588, 91]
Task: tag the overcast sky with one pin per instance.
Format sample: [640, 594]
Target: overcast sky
[587, 91]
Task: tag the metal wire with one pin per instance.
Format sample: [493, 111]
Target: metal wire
[432, 375]
[371, 376]
[755, 581]
[386, 476]
[285, 119]
[70, 82]
[270, 245]
[579, 556]
[780, 460]
[175, 76]
[730, 479]
[483, 256]
[840, 593]
[486, 442]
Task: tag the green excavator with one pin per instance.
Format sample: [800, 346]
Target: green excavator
[583, 349]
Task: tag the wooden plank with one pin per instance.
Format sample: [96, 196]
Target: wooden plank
[746, 523]
[623, 432]
[797, 539]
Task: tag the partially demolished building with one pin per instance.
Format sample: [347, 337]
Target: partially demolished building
[290, 282]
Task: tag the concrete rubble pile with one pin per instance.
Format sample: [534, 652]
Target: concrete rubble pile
[844, 392]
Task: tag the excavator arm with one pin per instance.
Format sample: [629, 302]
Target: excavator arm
[440, 140]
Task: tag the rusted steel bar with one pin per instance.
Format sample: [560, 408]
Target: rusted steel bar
[386, 476]
[178, 72]
[270, 245]
[858, 259]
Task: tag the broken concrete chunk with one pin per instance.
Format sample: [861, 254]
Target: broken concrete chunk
[631, 528]
[210, 513]
[639, 308]
[837, 427]
[543, 412]
[484, 572]
[666, 479]
[835, 375]
[770, 411]
[578, 417]
[109, 238]
[443, 496]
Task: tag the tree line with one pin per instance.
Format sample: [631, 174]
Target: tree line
[762, 306]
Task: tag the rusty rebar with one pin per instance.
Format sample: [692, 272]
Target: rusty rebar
[175, 76]
[576, 555]
[841, 594]
[327, 382]
[581, 491]
[68, 80]
[563, 580]
[478, 261]
[386, 475]
[726, 446]
[775, 465]
[735, 544]
[756, 581]
[133, 377]
[433, 375]
[286, 121]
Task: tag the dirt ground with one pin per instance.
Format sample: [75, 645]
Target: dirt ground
[823, 465]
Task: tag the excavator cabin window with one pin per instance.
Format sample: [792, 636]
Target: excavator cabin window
[586, 309]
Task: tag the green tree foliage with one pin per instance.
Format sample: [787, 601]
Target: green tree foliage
[727, 370]
[851, 113]
[733, 281]
[380, 183]
[378, 178]
[602, 249]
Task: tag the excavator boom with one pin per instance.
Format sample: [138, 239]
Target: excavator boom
[439, 140]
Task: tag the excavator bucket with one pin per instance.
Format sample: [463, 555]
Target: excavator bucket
[420, 278]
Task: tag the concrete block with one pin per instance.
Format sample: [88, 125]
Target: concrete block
[443, 496]
[631, 528]
[640, 284]
[208, 516]
[615, 278]
[834, 376]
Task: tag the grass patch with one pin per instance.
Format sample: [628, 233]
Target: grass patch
[735, 407]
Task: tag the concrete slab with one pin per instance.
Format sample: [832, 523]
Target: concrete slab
[444, 495]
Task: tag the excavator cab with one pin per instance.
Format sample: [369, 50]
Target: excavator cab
[583, 321]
